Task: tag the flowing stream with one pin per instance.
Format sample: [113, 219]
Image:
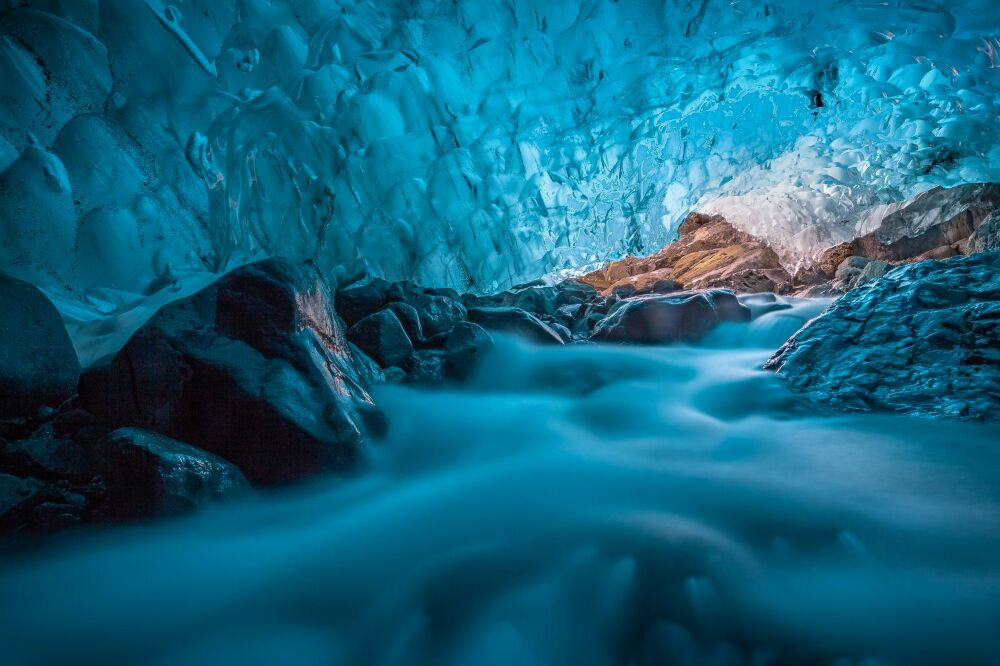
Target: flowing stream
[581, 505]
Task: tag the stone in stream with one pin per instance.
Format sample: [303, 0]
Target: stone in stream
[149, 474]
[925, 339]
[466, 347]
[515, 321]
[682, 317]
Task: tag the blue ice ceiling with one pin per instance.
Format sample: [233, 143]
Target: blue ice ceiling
[473, 143]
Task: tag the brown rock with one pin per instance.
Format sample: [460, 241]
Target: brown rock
[710, 252]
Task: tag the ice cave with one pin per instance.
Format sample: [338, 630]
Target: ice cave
[500, 332]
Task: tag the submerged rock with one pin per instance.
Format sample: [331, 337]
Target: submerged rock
[38, 365]
[682, 317]
[925, 339]
[149, 474]
[254, 368]
[466, 347]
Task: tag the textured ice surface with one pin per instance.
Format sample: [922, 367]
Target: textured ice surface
[473, 143]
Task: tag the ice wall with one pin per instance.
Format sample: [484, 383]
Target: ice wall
[473, 143]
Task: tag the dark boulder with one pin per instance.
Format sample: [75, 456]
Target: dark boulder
[357, 301]
[425, 367]
[438, 314]
[35, 505]
[465, 349]
[17, 497]
[382, 337]
[682, 317]
[574, 292]
[925, 339]
[410, 319]
[254, 368]
[38, 365]
[148, 474]
[50, 458]
[516, 322]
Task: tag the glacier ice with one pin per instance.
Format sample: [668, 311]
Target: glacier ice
[468, 143]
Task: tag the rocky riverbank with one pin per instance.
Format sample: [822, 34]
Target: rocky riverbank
[264, 377]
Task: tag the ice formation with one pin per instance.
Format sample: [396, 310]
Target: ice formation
[471, 143]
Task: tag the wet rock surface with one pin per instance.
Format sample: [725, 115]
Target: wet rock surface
[924, 339]
[149, 474]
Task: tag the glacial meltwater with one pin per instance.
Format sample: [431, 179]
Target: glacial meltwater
[582, 505]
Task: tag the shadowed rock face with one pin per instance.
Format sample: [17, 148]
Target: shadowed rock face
[255, 368]
[924, 339]
[38, 365]
[710, 252]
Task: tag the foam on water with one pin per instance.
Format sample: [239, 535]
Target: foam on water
[575, 505]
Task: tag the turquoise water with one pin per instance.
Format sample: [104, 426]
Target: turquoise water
[578, 505]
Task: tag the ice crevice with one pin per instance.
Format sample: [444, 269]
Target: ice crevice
[145, 146]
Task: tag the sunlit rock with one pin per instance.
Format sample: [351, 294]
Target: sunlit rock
[710, 252]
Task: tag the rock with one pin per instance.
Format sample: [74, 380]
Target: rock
[410, 319]
[709, 252]
[368, 369]
[987, 236]
[683, 317]
[438, 314]
[563, 332]
[30, 504]
[38, 365]
[466, 347]
[404, 291]
[762, 304]
[16, 498]
[922, 340]
[382, 337]
[149, 474]
[935, 224]
[394, 375]
[425, 367]
[254, 368]
[49, 458]
[444, 291]
[357, 301]
[938, 216]
[516, 322]
[574, 292]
